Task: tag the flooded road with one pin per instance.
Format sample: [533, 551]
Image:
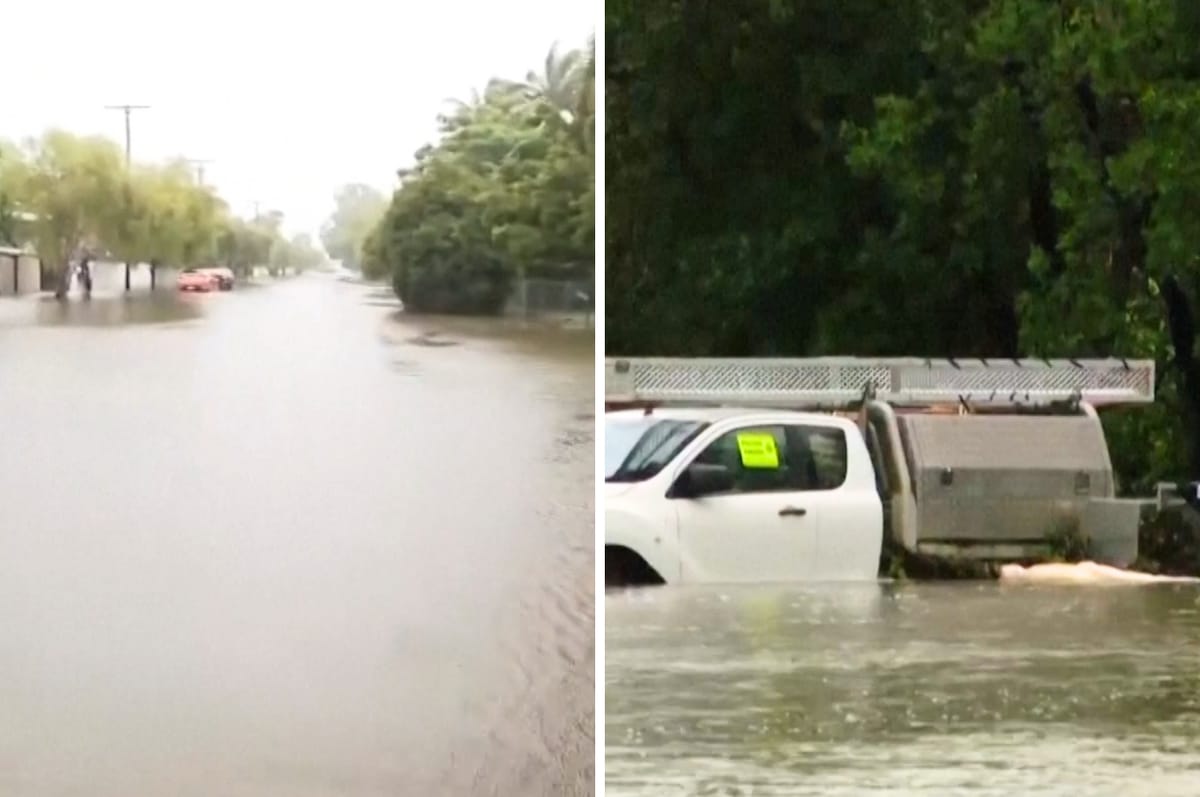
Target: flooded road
[273, 543]
[934, 689]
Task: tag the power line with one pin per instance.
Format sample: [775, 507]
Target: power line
[128, 109]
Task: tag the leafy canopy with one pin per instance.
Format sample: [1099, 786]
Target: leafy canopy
[925, 177]
[506, 192]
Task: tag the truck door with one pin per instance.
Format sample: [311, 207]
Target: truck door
[759, 531]
[850, 531]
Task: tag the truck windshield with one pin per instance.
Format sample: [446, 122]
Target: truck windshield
[636, 450]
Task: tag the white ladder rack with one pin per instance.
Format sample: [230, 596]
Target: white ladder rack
[836, 381]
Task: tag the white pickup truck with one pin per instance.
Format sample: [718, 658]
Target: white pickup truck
[728, 495]
[983, 460]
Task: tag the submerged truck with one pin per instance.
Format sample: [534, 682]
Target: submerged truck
[743, 470]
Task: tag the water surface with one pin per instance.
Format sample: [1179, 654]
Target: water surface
[257, 544]
[932, 689]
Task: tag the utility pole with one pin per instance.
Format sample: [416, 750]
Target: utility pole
[251, 266]
[199, 163]
[128, 109]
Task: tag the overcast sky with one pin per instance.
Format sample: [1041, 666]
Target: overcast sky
[288, 100]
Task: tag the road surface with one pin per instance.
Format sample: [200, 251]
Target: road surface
[275, 543]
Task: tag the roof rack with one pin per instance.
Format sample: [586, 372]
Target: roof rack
[834, 381]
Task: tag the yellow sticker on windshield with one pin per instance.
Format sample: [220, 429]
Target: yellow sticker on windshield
[758, 450]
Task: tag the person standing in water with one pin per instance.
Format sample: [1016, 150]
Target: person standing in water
[85, 276]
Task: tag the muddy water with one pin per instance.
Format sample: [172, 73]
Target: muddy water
[962, 689]
[262, 543]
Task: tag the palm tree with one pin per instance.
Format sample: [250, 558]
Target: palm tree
[586, 111]
[561, 81]
[559, 84]
[566, 85]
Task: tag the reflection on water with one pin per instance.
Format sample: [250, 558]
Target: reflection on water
[546, 338]
[566, 338]
[927, 689]
[113, 310]
[248, 556]
[159, 308]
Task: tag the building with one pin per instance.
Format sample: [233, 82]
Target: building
[20, 272]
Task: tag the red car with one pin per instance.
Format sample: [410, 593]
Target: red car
[193, 280]
[224, 276]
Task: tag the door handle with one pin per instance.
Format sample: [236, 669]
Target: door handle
[793, 511]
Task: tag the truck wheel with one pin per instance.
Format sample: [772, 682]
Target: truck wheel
[625, 568]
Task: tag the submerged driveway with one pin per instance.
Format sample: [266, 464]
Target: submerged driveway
[275, 542]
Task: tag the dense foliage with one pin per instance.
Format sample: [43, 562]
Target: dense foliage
[507, 192]
[67, 196]
[925, 177]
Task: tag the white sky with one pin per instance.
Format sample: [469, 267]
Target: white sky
[288, 100]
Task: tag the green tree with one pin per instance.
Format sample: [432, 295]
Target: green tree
[586, 113]
[506, 193]
[929, 178]
[72, 197]
[1061, 198]
[68, 184]
[12, 168]
[297, 253]
[560, 83]
[161, 216]
[242, 245]
[358, 210]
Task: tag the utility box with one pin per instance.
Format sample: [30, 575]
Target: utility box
[1002, 485]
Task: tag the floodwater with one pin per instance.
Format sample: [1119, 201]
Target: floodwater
[272, 542]
[915, 689]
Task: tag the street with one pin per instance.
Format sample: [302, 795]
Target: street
[275, 542]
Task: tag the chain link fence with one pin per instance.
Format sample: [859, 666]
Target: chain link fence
[546, 298]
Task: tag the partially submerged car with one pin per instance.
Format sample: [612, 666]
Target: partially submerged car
[194, 280]
[755, 470]
[224, 276]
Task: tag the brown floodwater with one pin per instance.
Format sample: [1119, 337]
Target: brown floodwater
[916, 690]
[271, 543]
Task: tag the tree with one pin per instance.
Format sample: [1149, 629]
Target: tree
[242, 245]
[67, 183]
[586, 112]
[559, 84]
[507, 193]
[359, 208]
[297, 254]
[928, 178]
[75, 197]
[161, 215]
[12, 168]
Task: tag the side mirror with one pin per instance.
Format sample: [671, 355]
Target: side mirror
[700, 480]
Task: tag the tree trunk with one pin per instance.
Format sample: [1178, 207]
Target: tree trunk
[1181, 324]
[127, 284]
[64, 282]
[153, 274]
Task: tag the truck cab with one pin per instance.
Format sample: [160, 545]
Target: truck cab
[738, 495]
